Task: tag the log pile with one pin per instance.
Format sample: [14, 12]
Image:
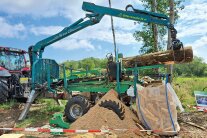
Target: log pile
[163, 57]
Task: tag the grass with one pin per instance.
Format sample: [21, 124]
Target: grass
[185, 87]
[40, 116]
[8, 105]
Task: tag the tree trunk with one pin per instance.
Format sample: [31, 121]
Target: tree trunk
[172, 16]
[154, 27]
[159, 58]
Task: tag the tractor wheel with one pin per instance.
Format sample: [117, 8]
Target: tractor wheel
[76, 107]
[3, 92]
[115, 107]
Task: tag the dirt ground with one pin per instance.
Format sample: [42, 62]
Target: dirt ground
[191, 131]
[9, 117]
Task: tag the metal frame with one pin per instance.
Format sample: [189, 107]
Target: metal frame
[95, 16]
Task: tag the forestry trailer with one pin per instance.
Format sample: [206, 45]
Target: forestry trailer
[46, 72]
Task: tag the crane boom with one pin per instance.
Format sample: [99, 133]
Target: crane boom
[75, 27]
[95, 16]
[136, 15]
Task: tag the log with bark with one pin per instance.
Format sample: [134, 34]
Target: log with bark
[163, 57]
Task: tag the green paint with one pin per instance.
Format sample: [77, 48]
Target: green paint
[96, 86]
[57, 121]
[200, 93]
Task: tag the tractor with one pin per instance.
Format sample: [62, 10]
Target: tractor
[14, 74]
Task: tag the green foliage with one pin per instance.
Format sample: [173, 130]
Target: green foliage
[88, 63]
[148, 72]
[196, 68]
[146, 34]
[147, 38]
[81, 65]
[72, 63]
[91, 62]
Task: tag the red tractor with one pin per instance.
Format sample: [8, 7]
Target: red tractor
[14, 74]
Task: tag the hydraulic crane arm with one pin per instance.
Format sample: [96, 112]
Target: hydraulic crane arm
[96, 14]
[75, 27]
[136, 15]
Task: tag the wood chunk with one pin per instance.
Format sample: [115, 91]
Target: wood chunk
[163, 57]
[12, 136]
[153, 107]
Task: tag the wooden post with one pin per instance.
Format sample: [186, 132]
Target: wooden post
[154, 27]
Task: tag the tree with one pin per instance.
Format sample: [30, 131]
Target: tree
[172, 16]
[146, 34]
[72, 64]
[196, 68]
[88, 63]
[91, 62]
[154, 27]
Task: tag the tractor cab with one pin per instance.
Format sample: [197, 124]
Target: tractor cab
[14, 74]
[13, 60]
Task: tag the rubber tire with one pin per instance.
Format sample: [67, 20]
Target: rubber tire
[3, 93]
[80, 100]
[115, 107]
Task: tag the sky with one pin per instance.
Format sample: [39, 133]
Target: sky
[25, 22]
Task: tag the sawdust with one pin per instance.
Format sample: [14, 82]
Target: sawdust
[99, 117]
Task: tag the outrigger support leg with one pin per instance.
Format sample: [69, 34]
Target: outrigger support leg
[28, 104]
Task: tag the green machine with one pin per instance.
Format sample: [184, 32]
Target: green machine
[46, 72]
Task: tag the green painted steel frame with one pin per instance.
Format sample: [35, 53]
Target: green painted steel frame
[99, 86]
[140, 15]
[46, 69]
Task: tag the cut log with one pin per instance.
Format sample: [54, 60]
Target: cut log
[163, 57]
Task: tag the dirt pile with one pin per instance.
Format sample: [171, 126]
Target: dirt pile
[100, 117]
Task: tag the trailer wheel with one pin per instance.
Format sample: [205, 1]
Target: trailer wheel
[76, 107]
[115, 107]
[3, 92]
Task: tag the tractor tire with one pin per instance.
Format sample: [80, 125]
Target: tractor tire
[76, 107]
[115, 107]
[3, 92]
